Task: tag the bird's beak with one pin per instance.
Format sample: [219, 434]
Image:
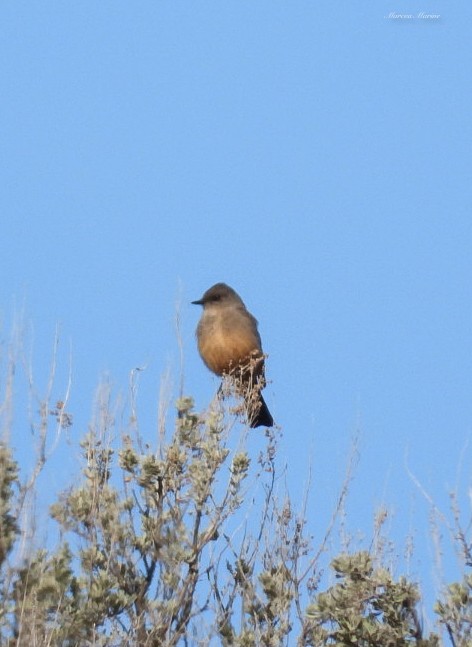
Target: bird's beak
[197, 303]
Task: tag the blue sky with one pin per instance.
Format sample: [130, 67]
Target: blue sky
[313, 155]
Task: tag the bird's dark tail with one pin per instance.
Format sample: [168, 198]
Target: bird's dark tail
[260, 415]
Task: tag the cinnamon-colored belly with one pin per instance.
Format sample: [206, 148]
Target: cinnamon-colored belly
[222, 353]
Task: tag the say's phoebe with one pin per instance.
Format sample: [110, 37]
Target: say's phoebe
[230, 344]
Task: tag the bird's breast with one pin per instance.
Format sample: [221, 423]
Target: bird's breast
[224, 349]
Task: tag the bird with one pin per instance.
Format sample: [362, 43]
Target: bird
[230, 345]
